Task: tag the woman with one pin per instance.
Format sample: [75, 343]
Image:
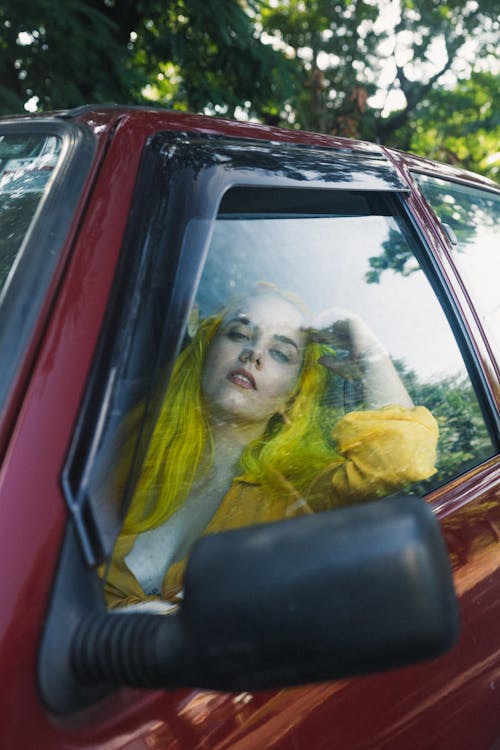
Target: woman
[245, 436]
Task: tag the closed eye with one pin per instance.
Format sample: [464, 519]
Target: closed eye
[280, 356]
[237, 335]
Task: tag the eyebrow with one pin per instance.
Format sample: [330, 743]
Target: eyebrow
[244, 320]
[239, 319]
[286, 340]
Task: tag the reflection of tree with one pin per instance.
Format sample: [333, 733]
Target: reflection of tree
[465, 212]
[463, 438]
[481, 522]
[278, 159]
[396, 256]
[16, 214]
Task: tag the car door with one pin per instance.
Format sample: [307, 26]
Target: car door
[211, 215]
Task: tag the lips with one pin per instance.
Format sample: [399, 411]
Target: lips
[243, 379]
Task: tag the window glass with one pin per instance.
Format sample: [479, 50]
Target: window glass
[26, 164]
[42, 168]
[474, 217]
[313, 374]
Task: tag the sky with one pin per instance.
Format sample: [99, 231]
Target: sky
[323, 262]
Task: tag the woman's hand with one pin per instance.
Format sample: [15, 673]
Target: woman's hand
[149, 606]
[351, 339]
[359, 355]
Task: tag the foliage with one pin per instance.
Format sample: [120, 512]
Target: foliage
[208, 57]
[463, 439]
[187, 53]
[342, 52]
[64, 53]
[431, 39]
[331, 45]
[462, 126]
[324, 65]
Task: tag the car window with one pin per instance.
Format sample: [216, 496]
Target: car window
[311, 375]
[26, 165]
[474, 218]
[43, 166]
[335, 267]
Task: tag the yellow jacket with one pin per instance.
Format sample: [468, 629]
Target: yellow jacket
[381, 451]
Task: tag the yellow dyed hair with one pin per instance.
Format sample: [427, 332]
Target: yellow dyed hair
[293, 449]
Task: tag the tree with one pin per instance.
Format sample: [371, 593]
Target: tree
[431, 39]
[331, 46]
[461, 125]
[62, 53]
[187, 53]
[332, 66]
[208, 56]
[345, 52]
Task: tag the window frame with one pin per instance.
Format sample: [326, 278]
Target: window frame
[24, 295]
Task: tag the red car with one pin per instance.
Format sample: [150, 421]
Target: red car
[370, 626]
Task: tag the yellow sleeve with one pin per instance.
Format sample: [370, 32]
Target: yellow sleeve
[381, 451]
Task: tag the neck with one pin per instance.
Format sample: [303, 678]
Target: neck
[231, 437]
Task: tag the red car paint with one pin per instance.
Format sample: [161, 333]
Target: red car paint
[450, 703]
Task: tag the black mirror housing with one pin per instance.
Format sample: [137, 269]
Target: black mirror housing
[347, 592]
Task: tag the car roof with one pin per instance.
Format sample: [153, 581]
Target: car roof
[103, 119]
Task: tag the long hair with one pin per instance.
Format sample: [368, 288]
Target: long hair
[294, 447]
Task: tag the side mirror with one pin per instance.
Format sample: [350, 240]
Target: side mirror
[346, 592]
[327, 596]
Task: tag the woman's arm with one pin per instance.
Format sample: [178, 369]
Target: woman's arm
[360, 356]
[379, 452]
[387, 444]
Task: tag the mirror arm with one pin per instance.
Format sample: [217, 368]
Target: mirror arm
[140, 650]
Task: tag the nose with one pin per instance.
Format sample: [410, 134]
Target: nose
[250, 354]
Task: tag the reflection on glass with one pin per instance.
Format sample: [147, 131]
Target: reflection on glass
[291, 402]
[474, 216]
[26, 164]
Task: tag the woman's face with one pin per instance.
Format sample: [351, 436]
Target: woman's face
[254, 361]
